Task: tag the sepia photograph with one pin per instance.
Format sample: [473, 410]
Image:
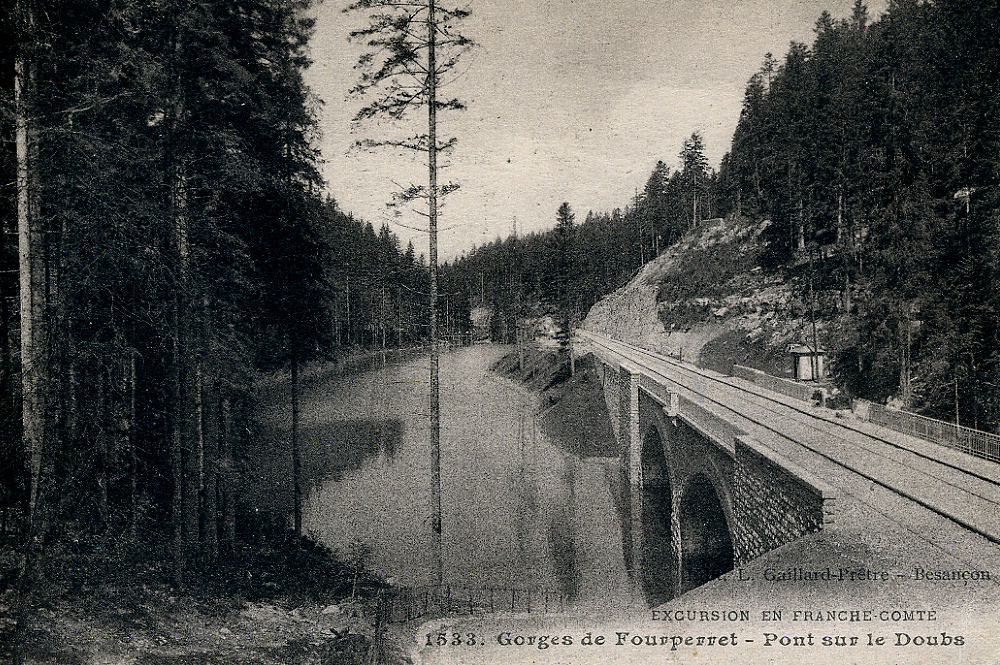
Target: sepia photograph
[499, 332]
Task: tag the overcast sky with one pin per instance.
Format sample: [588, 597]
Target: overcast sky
[568, 100]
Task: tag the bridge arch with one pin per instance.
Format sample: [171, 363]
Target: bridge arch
[657, 556]
[706, 539]
[656, 470]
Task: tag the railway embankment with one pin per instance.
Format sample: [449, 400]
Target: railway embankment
[707, 299]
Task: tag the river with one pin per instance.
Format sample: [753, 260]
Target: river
[520, 508]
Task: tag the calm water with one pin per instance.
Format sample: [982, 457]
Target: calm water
[519, 509]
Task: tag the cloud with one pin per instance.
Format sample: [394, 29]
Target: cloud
[568, 101]
[652, 121]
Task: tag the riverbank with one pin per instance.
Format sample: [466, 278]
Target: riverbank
[572, 409]
[526, 505]
[276, 600]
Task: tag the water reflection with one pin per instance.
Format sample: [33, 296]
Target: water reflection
[328, 451]
[531, 497]
[333, 449]
[579, 424]
[562, 534]
[708, 548]
[524, 504]
[658, 569]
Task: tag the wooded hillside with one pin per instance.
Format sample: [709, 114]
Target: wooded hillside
[874, 153]
[163, 199]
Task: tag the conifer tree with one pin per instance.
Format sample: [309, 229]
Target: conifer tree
[411, 46]
[695, 168]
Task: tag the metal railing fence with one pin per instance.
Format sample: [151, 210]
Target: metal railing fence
[972, 441]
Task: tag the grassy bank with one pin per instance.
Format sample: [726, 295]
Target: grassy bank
[572, 411]
[275, 599]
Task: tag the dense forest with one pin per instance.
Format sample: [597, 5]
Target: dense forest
[564, 271]
[875, 154]
[166, 239]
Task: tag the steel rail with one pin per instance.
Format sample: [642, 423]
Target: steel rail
[942, 512]
[868, 435]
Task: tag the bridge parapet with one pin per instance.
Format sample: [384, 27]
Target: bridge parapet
[698, 414]
[776, 501]
[802, 391]
[709, 424]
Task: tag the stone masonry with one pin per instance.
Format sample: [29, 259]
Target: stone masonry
[775, 501]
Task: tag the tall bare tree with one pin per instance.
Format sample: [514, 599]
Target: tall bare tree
[28, 262]
[411, 44]
[33, 361]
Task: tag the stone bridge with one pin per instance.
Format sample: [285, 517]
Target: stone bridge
[721, 471]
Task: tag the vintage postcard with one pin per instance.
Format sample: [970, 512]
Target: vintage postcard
[558, 332]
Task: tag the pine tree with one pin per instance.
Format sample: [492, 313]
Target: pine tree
[564, 283]
[656, 207]
[169, 138]
[411, 46]
[695, 168]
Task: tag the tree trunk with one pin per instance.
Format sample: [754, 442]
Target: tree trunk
[209, 502]
[199, 451]
[399, 318]
[50, 337]
[30, 281]
[840, 218]
[227, 461]
[133, 507]
[435, 417]
[106, 419]
[694, 199]
[800, 229]
[520, 349]
[72, 406]
[957, 422]
[191, 426]
[6, 366]
[905, 385]
[296, 460]
[177, 451]
[384, 316]
[179, 434]
[29, 299]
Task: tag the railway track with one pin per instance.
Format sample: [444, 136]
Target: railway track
[965, 492]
